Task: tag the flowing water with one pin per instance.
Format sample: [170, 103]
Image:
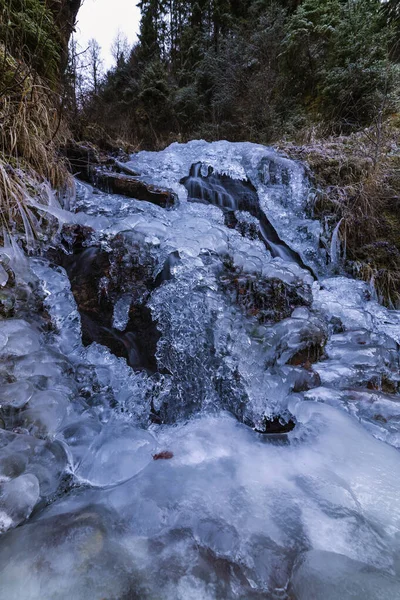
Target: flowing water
[193, 407]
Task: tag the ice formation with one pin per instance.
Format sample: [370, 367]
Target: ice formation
[248, 327]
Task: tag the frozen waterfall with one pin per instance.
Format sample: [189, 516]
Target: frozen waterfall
[191, 406]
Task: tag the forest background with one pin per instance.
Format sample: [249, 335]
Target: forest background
[319, 79]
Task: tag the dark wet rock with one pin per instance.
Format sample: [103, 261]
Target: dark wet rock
[131, 266]
[75, 236]
[82, 157]
[269, 300]
[276, 425]
[389, 386]
[99, 279]
[230, 219]
[384, 383]
[312, 353]
[109, 174]
[128, 185]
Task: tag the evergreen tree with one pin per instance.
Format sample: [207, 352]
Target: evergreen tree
[253, 69]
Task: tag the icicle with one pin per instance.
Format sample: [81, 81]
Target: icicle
[29, 235]
[16, 257]
[63, 216]
[372, 288]
[335, 245]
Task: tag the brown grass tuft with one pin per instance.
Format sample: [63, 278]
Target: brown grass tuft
[31, 130]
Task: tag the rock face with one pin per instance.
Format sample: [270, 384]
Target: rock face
[127, 185]
[268, 299]
[65, 13]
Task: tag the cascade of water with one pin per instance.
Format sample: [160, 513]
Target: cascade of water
[236, 195]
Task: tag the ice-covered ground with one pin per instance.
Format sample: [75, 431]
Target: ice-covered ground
[85, 510]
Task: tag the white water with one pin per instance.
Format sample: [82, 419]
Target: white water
[234, 514]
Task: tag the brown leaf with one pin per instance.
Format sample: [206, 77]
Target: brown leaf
[165, 454]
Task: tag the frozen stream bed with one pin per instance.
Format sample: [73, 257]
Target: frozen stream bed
[194, 404]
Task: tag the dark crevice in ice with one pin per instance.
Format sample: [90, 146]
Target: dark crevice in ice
[96, 287]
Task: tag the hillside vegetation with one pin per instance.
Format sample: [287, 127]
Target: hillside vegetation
[253, 70]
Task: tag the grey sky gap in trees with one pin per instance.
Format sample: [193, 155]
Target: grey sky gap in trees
[102, 20]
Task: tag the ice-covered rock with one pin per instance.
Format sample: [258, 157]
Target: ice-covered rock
[115, 446]
[329, 576]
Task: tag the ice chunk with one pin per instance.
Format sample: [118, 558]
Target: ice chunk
[121, 312]
[16, 394]
[45, 413]
[118, 453]
[21, 453]
[21, 338]
[17, 500]
[44, 362]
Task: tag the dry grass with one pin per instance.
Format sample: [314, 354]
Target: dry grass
[386, 282]
[17, 190]
[30, 132]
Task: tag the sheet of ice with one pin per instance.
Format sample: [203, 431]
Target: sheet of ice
[377, 411]
[117, 454]
[229, 515]
[329, 576]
